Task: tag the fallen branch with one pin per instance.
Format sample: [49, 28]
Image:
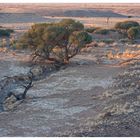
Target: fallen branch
[129, 60]
[9, 85]
[28, 86]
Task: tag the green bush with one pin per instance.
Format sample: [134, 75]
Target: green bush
[133, 32]
[124, 40]
[108, 41]
[71, 25]
[80, 38]
[91, 29]
[102, 31]
[126, 25]
[10, 30]
[60, 41]
[5, 32]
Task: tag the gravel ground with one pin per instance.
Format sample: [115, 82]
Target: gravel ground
[75, 101]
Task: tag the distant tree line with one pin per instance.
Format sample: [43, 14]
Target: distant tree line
[130, 29]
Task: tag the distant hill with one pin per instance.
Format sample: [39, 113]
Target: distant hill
[18, 13]
[83, 13]
[20, 17]
[82, 9]
[32, 17]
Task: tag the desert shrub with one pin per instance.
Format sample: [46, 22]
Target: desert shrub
[5, 32]
[13, 46]
[60, 41]
[133, 32]
[102, 31]
[124, 40]
[112, 30]
[10, 30]
[108, 41]
[71, 25]
[129, 16]
[124, 26]
[91, 29]
[80, 38]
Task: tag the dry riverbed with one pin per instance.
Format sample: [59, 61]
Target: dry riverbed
[62, 101]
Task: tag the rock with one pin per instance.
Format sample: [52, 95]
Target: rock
[9, 103]
[4, 50]
[92, 44]
[132, 84]
[37, 71]
[11, 88]
[107, 114]
[89, 49]
[101, 44]
[82, 62]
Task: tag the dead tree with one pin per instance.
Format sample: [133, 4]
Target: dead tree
[135, 58]
[9, 85]
[27, 87]
[107, 21]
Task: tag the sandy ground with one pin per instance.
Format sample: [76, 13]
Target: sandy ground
[49, 8]
[94, 21]
[65, 99]
[13, 63]
[59, 102]
[89, 13]
[20, 26]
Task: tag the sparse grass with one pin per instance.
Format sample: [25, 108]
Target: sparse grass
[107, 41]
[91, 29]
[102, 31]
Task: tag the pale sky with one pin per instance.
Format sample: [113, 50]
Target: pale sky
[69, 1]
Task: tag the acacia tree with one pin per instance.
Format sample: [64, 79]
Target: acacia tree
[134, 33]
[125, 25]
[71, 25]
[60, 41]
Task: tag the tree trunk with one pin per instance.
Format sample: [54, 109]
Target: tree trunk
[66, 56]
